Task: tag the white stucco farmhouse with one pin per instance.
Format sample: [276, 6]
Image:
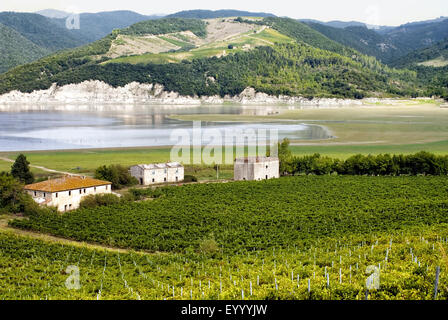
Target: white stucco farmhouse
[256, 168]
[148, 174]
[67, 192]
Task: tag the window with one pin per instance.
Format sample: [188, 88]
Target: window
[153, 172]
[56, 195]
[153, 180]
[266, 167]
[164, 171]
[35, 193]
[65, 208]
[85, 190]
[80, 191]
[107, 187]
[164, 179]
[69, 193]
[94, 189]
[45, 195]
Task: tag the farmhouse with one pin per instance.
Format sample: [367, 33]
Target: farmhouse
[148, 174]
[67, 192]
[256, 168]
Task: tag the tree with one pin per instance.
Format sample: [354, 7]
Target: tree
[13, 198]
[21, 170]
[117, 174]
[285, 156]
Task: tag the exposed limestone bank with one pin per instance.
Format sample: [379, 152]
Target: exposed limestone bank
[98, 92]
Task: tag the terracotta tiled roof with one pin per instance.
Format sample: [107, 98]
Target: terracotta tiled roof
[66, 183]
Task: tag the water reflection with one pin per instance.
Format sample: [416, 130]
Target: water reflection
[52, 127]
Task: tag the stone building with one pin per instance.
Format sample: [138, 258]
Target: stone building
[156, 173]
[256, 168]
[67, 192]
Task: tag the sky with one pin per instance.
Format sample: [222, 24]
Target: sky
[376, 12]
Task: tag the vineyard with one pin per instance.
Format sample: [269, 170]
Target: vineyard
[304, 237]
[245, 216]
[331, 269]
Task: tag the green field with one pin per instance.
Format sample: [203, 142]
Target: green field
[419, 122]
[292, 238]
[5, 166]
[38, 173]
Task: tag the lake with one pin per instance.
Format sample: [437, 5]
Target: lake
[27, 128]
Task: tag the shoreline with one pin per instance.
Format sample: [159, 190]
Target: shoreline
[96, 92]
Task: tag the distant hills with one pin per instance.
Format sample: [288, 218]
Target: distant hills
[15, 49]
[40, 30]
[209, 14]
[125, 39]
[51, 13]
[94, 26]
[387, 45]
[433, 56]
[223, 56]
[33, 35]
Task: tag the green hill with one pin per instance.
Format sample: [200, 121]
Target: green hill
[273, 55]
[94, 26]
[360, 38]
[16, 49]
[431, 64]
[40, 30]
[388, 45]
[433, 56]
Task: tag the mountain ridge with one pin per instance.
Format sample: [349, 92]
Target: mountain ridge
[311, 66]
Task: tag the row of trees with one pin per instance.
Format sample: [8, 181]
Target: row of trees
[422, 163]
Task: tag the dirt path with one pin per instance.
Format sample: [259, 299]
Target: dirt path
[42, 168]
[53, 239]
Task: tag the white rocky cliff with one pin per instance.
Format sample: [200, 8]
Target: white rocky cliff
[97, 92]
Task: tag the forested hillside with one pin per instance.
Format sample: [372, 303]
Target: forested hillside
[433, 56]
[16, 49]
[94, 26]
[26, 37]
[390, 44]
[314, 67]
[40, 30]
[360, 38]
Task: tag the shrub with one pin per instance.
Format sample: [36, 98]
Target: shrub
[209, 246]
[139, 194]
[99, 200]
[190, 178]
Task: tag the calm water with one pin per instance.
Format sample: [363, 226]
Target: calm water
[78, 127]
